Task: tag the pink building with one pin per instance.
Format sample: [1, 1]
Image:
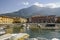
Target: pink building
[42, 19]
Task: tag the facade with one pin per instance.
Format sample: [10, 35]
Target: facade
[42, 19]
[23, 20]
[10, 20]
[51, 18]
[19, 20]
[38, 19]
[5, 20]
[57, 19]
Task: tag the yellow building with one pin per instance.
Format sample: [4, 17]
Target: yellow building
[20, 20]
[5, 20]
[10, 20]
[23, 20]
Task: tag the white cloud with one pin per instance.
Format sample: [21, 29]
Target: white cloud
[50, 5]
[38, 4]
[25, 3]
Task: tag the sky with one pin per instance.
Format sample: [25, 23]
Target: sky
[7, 6]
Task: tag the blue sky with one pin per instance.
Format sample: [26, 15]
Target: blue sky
[15, 5]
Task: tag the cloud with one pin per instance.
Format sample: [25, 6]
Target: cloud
[49, 5]
[38, 4]
[25, 3]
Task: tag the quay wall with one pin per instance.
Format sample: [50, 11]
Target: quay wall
[33, 25]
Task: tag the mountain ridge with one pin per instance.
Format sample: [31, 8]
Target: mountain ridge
[34, 10]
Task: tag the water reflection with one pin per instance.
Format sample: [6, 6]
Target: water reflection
[49, 34]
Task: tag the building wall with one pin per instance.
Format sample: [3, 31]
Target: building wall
[38, 19]
[23, 20]
[57, 19]
[6, 20]
[20, 20]
[42, 19]
[51, 19]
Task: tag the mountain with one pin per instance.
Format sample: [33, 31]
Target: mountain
[34, 10]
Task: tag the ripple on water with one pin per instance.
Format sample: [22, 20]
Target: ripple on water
[49, 34]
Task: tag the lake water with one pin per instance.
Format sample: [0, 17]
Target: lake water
[49, 34]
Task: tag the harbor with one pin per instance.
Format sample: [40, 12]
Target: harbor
[34, 31]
